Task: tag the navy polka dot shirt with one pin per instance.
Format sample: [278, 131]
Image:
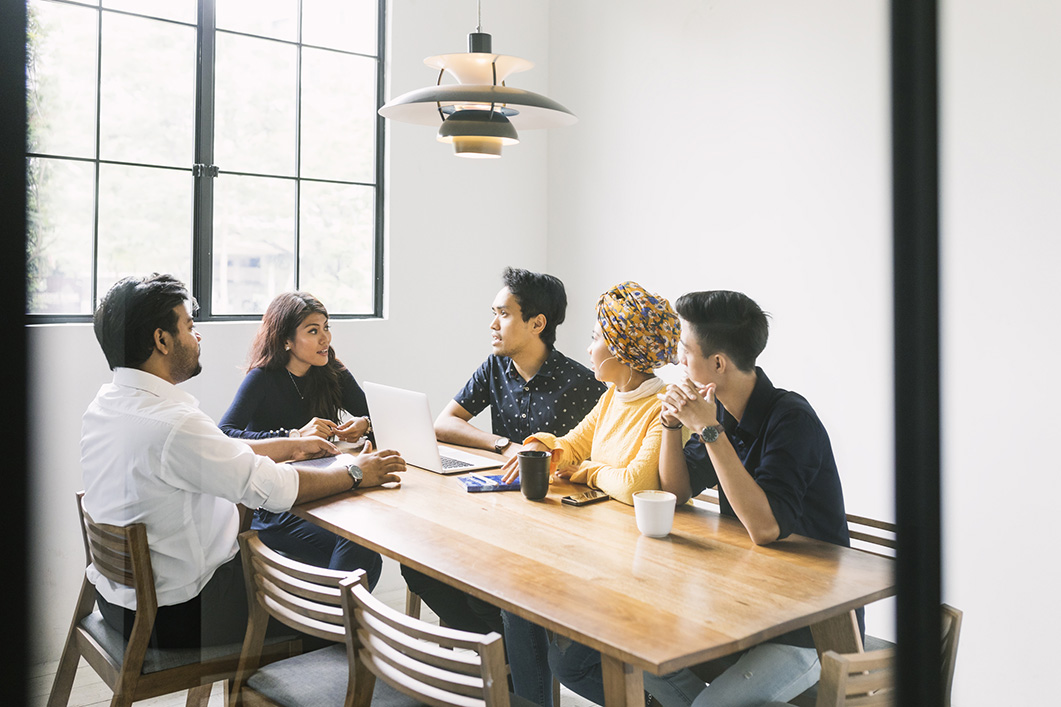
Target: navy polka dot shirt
[556, 399]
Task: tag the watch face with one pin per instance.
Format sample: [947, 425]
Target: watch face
[709, 434]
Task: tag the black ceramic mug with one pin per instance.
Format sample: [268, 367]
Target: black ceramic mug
[534, 474]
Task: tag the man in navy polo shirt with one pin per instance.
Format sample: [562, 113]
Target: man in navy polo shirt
[770, 457]
[529, 387]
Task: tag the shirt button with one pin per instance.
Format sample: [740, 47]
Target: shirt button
[526, 389]
[523, 415]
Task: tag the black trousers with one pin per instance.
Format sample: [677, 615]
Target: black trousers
[217, 616]
[455, 608]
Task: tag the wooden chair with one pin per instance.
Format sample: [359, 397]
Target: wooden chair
[431, 664]
[131, 669]
[307, 599]
[867, 679]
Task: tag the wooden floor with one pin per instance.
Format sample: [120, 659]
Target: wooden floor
[90, 691]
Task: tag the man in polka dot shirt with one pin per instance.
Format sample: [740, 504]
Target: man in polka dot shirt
[529, 387]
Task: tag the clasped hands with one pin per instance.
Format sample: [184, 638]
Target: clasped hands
[350, 431]
[689, 403]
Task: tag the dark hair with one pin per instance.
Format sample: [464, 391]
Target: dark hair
[726, 322]
[538, 293]
[132, 310]
[280, 323]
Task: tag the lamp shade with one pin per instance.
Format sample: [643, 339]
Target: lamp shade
[525, 109]
[478, 133]
[478, 114]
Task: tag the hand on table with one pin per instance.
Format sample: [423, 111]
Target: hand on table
[379, 467]
[312, 448]
[511, 467]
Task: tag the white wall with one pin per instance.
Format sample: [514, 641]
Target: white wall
[724, 144]
[745, 145]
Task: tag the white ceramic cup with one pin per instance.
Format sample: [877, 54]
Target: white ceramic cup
[654, 511]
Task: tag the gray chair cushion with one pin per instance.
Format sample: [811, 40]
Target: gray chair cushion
[320, 678]
[156, 659]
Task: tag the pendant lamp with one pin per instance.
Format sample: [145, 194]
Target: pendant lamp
[479, 114]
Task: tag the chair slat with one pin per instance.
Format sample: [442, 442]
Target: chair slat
[448, 637]
[295, 620]
[427, 651]
[428, 694]
[300, 570]
[420, 671]
[318, 610]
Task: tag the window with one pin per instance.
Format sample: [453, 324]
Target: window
[232, 143]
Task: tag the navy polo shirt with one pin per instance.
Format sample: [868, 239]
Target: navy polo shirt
[785, 448]
[554, 400]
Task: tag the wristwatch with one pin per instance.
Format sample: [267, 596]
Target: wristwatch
[356, 474]
[501, 443]
[710, 434]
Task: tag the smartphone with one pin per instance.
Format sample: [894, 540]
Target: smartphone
[585, 498]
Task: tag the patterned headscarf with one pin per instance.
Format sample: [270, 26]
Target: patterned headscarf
[640, 328]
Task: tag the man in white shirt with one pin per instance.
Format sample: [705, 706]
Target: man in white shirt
[149, 455]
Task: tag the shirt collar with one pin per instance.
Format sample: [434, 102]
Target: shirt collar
[150, 383]
[546, 371]
[758, 406]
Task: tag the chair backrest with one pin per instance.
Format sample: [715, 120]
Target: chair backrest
[121, 554]
[867, 679]
[304, 597]
[436, 665]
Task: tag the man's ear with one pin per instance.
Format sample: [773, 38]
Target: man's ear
[721, 363]
[163, 341]
[538, 322]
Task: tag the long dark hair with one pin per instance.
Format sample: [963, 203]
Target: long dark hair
[322, 389]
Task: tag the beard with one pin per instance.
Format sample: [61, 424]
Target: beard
[186, 363]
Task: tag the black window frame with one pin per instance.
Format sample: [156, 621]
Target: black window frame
[204, 172]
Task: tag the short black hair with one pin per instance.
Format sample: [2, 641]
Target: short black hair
[726, 322]
[538, 293]
[127, 317]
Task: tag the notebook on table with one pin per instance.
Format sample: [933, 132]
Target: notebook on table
[401, 420]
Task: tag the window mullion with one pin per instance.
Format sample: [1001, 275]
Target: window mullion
[203, 209]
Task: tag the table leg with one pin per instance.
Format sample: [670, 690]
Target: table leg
[839, 634]
[624, 685]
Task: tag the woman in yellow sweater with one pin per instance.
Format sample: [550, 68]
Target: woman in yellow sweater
[616, 446]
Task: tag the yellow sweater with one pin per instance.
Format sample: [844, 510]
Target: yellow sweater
[616, 446]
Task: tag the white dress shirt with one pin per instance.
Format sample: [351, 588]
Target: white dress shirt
[148, 454]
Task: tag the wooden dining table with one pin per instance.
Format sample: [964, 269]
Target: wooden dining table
[703, 592]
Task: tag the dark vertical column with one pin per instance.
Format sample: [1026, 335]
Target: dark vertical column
[915, 165]
[14, 521]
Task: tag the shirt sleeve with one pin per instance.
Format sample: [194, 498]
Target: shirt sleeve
[475, 395]
[792, 456]
[701, 471]
[621, 483]
[198, 457]
[249, 397]
[576, 445]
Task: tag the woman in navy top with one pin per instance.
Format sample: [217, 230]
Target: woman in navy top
[296, 386]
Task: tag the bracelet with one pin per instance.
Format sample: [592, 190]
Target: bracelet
[668, 427]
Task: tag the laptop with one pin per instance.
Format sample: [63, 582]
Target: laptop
[401, 420]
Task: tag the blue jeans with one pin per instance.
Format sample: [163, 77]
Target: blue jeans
[307, 542]
[578, 668]
[769, 672]
[527, 645]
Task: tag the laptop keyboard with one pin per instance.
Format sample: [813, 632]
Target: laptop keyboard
[450, 463]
